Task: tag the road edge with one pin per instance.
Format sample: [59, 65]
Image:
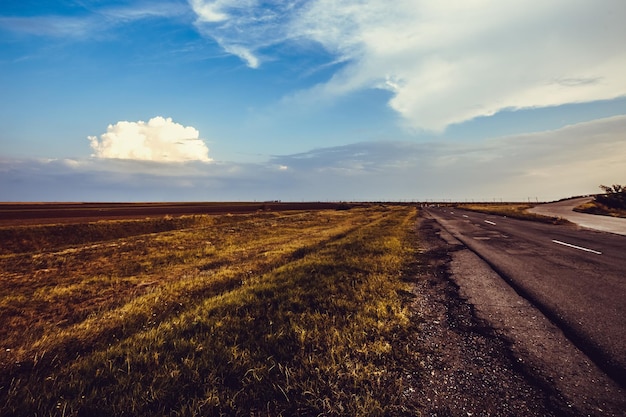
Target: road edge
[533, 336]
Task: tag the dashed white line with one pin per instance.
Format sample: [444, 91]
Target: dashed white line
[490, 222]
[576, 247]
[466, 216]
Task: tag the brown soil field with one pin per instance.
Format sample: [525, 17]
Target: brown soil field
[52, 213]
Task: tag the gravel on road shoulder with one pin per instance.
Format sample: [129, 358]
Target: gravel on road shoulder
[469, 370]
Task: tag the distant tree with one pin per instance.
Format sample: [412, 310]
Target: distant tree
[614, 196]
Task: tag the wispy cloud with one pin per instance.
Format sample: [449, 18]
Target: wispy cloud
[244, 27]
[57, 26]
[146, 10]
[445, 62]
[90, 20]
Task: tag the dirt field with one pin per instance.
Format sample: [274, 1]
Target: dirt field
[12, 214]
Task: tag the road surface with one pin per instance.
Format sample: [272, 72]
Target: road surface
[576, 277]
[565, 209]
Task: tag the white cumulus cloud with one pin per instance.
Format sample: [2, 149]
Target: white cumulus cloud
[158, 140]
[444, 62]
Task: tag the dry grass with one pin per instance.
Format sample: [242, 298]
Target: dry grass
[263, 314]
[594, 207]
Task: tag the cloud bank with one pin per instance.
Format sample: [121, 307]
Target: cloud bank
[158, 140]
[548, 165]
[445, 62]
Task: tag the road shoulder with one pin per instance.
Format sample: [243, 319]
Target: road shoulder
[469, 369]
[537, 346]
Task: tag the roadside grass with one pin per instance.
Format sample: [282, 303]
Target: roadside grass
[513, 210]
[263, 314]
[594, 207]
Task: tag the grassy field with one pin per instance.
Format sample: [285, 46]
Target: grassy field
[299, 313]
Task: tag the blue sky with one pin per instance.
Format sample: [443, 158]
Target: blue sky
[310, 100]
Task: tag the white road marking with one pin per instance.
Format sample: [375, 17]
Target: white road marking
[577, 247]
[490, 222]
[466, 216]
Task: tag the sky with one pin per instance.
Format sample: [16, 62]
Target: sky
[311, 100]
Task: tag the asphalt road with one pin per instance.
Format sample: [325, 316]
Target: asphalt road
[576, 277]
[565, 209]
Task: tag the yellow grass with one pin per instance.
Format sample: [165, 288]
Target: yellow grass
[296, 313]
[594, 207]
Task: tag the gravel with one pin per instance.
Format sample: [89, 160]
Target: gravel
[468, 370]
